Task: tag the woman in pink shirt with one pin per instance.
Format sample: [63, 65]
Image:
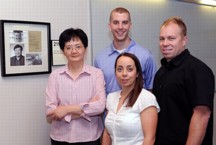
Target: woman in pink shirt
[75, 95]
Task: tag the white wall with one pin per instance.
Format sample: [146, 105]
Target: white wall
[22, 99]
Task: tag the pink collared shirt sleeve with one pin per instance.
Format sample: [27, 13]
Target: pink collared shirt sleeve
[95, 107]
[51, 98]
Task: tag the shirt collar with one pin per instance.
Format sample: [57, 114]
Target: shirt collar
[113, 49]
[175, 61]
[85, 69]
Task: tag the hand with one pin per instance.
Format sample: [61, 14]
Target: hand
[74, 116]
[58, 114]
[93, 99]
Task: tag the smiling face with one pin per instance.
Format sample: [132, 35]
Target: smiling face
[74, 50]
[18, 51]
[120, 25]
[172, 40]
[126, 72]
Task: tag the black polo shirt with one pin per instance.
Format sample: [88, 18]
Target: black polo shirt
[179, 86]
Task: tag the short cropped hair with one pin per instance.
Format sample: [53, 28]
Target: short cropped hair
[18, 46]
[72, 34]
[120, 10]
[178, 21]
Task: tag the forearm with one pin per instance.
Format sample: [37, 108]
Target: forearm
[149, 124]
[63, 111]
[149, 141]
[92, 108]
[95, 106]
[196, 133]
[106, 138]
[74, 109]
[197, 128]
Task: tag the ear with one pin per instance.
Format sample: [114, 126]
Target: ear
[63, 52]
[130, 26]
[109, 27]
[185, 40]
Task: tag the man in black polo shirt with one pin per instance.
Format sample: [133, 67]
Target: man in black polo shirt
[184, 87]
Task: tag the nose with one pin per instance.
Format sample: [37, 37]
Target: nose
[165, 42]
[73, 50]
[124, 73]
[120, 26]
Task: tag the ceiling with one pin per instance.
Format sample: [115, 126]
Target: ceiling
[202, 2]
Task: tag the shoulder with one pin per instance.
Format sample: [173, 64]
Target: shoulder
[93, 70]
[103, 52]
[140, 48]
[141, 52]
[13, 57]
[145, 94]
[113, 95]
[146, 99]
[103, 57]
[58, 70]
[55, 74]
[197, 64]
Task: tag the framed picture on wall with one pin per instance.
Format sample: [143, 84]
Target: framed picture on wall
[57, 55]
[25, 48]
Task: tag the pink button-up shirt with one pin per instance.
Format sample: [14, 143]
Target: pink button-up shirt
[63, 90]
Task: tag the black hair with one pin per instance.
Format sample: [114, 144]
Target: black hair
[72, 33]
[18, 46]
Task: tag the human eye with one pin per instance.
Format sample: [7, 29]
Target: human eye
[119, 69]
[115, 22]
[125, 22]
[130, 69]
[171, 38]
[67, 47]
[161, 38]
[77, 47]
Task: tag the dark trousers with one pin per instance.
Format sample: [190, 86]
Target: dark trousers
[96, 142]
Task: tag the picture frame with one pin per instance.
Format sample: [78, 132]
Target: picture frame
[58, 57]
[25, 48]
